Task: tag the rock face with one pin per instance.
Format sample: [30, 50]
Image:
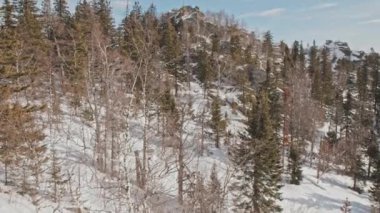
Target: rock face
[341, 50]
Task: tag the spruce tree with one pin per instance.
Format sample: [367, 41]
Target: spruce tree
[326, 77]
[315, 72]
[61, 9]
[214, 189]
[268, 44]
[205, 72]
[57, 178]
[8, 15]
[302, 59]
[235, 47]
[256, 159]
[29, 26]
[19, 135]
[248, 59]
[374, 191]
[171, 50]
[294, 165]
[215, 42]
[216, 120]
[82, 22]
[102, 9]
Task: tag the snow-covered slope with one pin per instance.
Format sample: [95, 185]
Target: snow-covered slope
[326, 195]
[93, 191]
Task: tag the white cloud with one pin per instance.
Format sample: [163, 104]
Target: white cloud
[266, 13]
[372, 21]
[119, 4]
[324, 6]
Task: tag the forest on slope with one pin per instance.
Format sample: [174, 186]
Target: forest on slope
[184, 108]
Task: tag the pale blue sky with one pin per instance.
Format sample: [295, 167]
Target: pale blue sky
[354, 21]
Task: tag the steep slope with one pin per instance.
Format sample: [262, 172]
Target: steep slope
[95, 191]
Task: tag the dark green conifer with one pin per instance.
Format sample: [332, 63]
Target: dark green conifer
[256, 159]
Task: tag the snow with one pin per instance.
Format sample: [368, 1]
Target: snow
[97, 192]
[11, 202]
[325, 195]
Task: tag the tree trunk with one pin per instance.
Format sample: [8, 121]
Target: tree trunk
[180, 172]
[6, 173]
[138, 169]
[369, 168]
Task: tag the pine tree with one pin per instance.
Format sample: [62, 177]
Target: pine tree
[235, 47]
[295, 54]
[214, 189]
[171, 50]
[256, 159]
[362, 81]
[19, 135]
[248, 59]
[61, 9]
[375, 189]
[8, 45]
[57, 179]
[268, 44]
[346, 208]
[315, 73]
[215, 41]
[358, 172]
[217, 122]
[8, 15]
[29, 26]
[205, 72]
[33, 48]
[151, 26]
[294, 165]
[302, 59]
[102, 9]
[374, 64]
[326, 77]
[78, 56]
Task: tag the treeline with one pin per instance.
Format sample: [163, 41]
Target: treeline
[108, 74]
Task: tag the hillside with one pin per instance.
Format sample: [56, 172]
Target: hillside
[180, 112]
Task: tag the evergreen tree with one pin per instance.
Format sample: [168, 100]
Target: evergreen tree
[248, 59]
[215, 41]
[326, 77]
[57, 179]
[151, 26]
[286, 66]
[315, 73]
[82, 33]
[8, 39]
[256, 158]
[373, 60]
[346, 208]
[205, 72]
[102, 9]
[294, 165]
[235, 47]
[171, 50]
[295, 53]
[362, 81]
[29, 26]
[302, 59]
[61, 9]
[358, 172]
[8, 15]
[375, 189]
[268, 44]
[217, 123]
[19, 135]
[214, 189]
